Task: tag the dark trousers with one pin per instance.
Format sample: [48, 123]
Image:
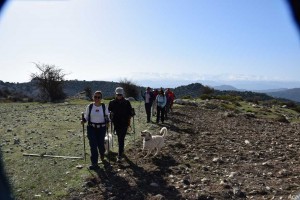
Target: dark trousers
[121, 133]
[96, 140]
[167, 109]
[148, 110]
[160, 114]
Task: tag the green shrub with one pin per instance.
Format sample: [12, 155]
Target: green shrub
[297, 109]
[187, 97]
[228, 106]
[237, 104]
[206, 96]
[291, 104]
[281, 118]
[228, 97]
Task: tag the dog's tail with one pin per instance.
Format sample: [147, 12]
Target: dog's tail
[163, 130]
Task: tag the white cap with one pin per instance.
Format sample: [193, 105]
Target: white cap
[119, 90]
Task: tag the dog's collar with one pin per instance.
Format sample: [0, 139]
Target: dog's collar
[147, 139]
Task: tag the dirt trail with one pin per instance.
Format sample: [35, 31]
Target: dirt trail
[208, 155]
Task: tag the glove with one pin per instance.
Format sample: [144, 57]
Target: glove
[83, 120]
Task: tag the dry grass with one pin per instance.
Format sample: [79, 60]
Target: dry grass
[55, 129]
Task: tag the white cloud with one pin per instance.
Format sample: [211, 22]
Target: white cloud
[198, 77]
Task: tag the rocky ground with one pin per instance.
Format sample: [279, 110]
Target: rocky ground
[209, 154]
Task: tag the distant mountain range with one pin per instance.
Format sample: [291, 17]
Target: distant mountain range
[290, 94]
[226, 87]
[249, 85]
[73, 87]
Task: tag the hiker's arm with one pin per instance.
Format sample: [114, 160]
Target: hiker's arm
[165, 101]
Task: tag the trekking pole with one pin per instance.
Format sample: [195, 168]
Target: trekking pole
[111, 130]
[108, 149]
[141, 99]
[133, 114]
[82, 118]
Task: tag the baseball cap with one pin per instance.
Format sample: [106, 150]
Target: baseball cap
[119, 90]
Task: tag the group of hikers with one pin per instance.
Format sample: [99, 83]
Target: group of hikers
[160, 100]
[119, 112]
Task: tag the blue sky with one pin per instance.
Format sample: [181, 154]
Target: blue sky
[157, 40]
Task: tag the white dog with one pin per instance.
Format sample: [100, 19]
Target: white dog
[154, 105]
[153, 142]
[108, 140]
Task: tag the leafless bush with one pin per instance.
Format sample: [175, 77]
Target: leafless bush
[130, 88]
[50, 82]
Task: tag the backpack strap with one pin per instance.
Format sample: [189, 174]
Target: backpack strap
[90, 109]
[103, 107]
[105, 116]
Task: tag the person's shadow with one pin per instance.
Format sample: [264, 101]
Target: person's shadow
[127, 180]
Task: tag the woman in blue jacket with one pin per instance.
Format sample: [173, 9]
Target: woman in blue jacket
[161, 101]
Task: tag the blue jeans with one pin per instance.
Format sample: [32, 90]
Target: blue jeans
[96, 140]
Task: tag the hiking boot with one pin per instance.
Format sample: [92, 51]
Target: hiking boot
[94, 167]
[119, 159]
[102, 158]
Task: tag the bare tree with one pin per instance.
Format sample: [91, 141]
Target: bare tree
[207, 90]
[130, 89]
[88, 92]
[50, 82]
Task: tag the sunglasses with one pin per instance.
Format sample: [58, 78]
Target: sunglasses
[119, 95]
[97, 97]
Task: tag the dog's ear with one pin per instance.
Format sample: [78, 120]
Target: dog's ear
[143, 133]
[149, 134]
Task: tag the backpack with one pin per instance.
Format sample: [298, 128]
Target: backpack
[103, 107]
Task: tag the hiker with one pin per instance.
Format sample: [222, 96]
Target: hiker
[161, 101]
[155, 93]
[96, 115]
[121, 112]
[170, 99]
[167, 108]
[148, 98]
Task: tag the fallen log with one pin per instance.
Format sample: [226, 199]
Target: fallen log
[52, 156]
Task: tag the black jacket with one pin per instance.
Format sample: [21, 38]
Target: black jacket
[121, 111]
[151, 97]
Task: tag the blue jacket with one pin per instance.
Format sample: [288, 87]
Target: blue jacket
[161, 101]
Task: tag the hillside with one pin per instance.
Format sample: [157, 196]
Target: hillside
[292, 94]
[193, 90]
[225, 87]
[73, 87]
